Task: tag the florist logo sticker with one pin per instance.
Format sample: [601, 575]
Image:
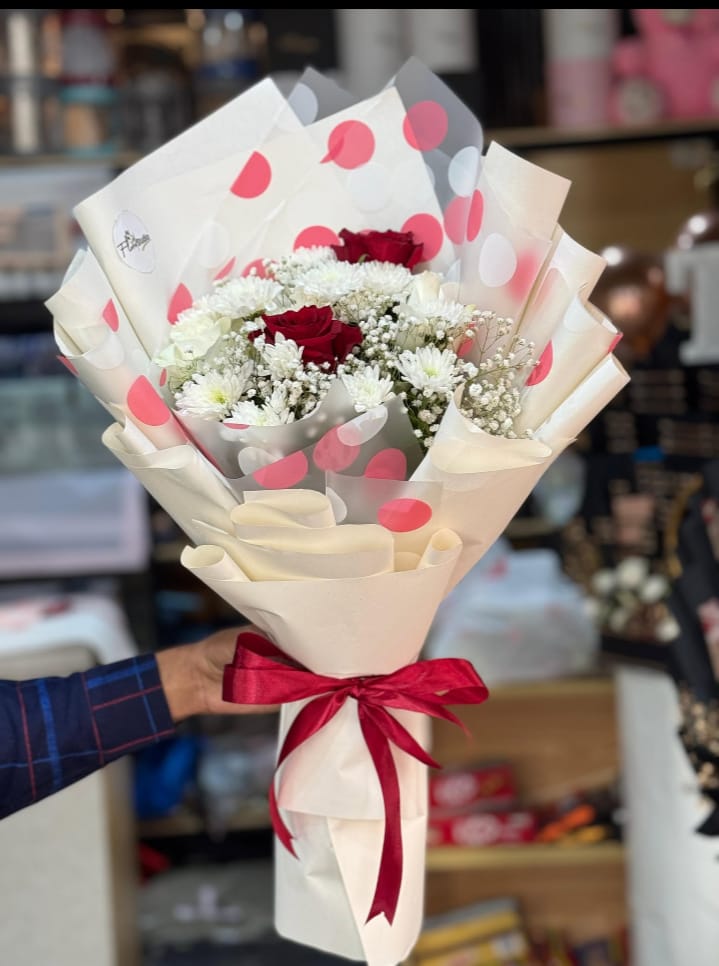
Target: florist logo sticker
[133, 243]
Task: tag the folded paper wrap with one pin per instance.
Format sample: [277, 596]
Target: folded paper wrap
[335, 535]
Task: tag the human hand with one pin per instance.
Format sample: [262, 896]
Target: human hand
[191, 676]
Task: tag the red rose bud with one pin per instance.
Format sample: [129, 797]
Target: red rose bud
[322, 337]
[398, 247]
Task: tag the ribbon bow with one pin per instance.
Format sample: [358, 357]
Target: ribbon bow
[262, 674]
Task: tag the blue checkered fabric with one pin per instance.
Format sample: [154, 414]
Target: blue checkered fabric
[56, 730]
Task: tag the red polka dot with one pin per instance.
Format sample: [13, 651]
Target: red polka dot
[456, 216]
[258, 266]
[350, 145]
[403, 515]
[426, 125]
[145, 404]
[109, 314]
[615, 342]
[427, 230]
[316, 236]
[388, 464]
[226, 269]
[255, 177]
[68, 365]
[332, 454]
[163, 377]
[284, 473]
[543, 367]
[525, 275]
[476, 214]
[181, 300]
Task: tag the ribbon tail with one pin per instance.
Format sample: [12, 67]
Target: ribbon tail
[278, 824]
[389, 877]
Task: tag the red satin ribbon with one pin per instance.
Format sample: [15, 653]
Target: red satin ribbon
[262, 674]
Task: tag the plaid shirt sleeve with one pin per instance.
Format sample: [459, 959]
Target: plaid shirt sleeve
[56, 730]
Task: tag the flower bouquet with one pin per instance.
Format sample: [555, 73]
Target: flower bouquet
[339, 344]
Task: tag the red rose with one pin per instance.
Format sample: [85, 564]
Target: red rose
[398, 247]
[323, 338]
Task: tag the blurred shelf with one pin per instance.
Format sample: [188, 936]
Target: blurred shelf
[552, 137]
[579, 686]
[117, 160]
[453, 858]
[184, 823]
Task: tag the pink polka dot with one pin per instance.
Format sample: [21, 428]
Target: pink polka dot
[163, 377]
[456, 216]
[428, 230]
[615, 342]
[426, 125]
[109, 314]
[255, 177]
[388, 464]
[543, 367]
[226, 269]
[332, 454]
[316, 236]
[350, 144]
[181, 300]
[145, 404]
[236, 425]
[258, 266]
[476, 214]
[68, 365]
[525, 275]
[284, 473]
[403, 515]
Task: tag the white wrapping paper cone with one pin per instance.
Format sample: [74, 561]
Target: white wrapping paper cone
[180, 479]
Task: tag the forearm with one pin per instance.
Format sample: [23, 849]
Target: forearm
[56, 731]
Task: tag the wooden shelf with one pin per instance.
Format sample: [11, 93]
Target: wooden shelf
[546, 137]
[561, 737]
[451, 858]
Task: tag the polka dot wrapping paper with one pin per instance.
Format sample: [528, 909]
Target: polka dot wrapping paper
[336, 534]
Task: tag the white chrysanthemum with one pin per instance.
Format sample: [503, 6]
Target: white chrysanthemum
[242, 298]
[327, 283]
[213, 395]
[436, 313]
[368, 387]
[196, 331]
[429, 368]
[274, 412]
[283, 358]
[385, 279]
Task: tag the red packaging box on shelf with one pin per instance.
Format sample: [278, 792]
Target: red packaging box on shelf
[482, 828]
[490, 786]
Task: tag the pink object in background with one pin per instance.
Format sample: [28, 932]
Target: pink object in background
[635, 97]
[578, 48]
[678, 59]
